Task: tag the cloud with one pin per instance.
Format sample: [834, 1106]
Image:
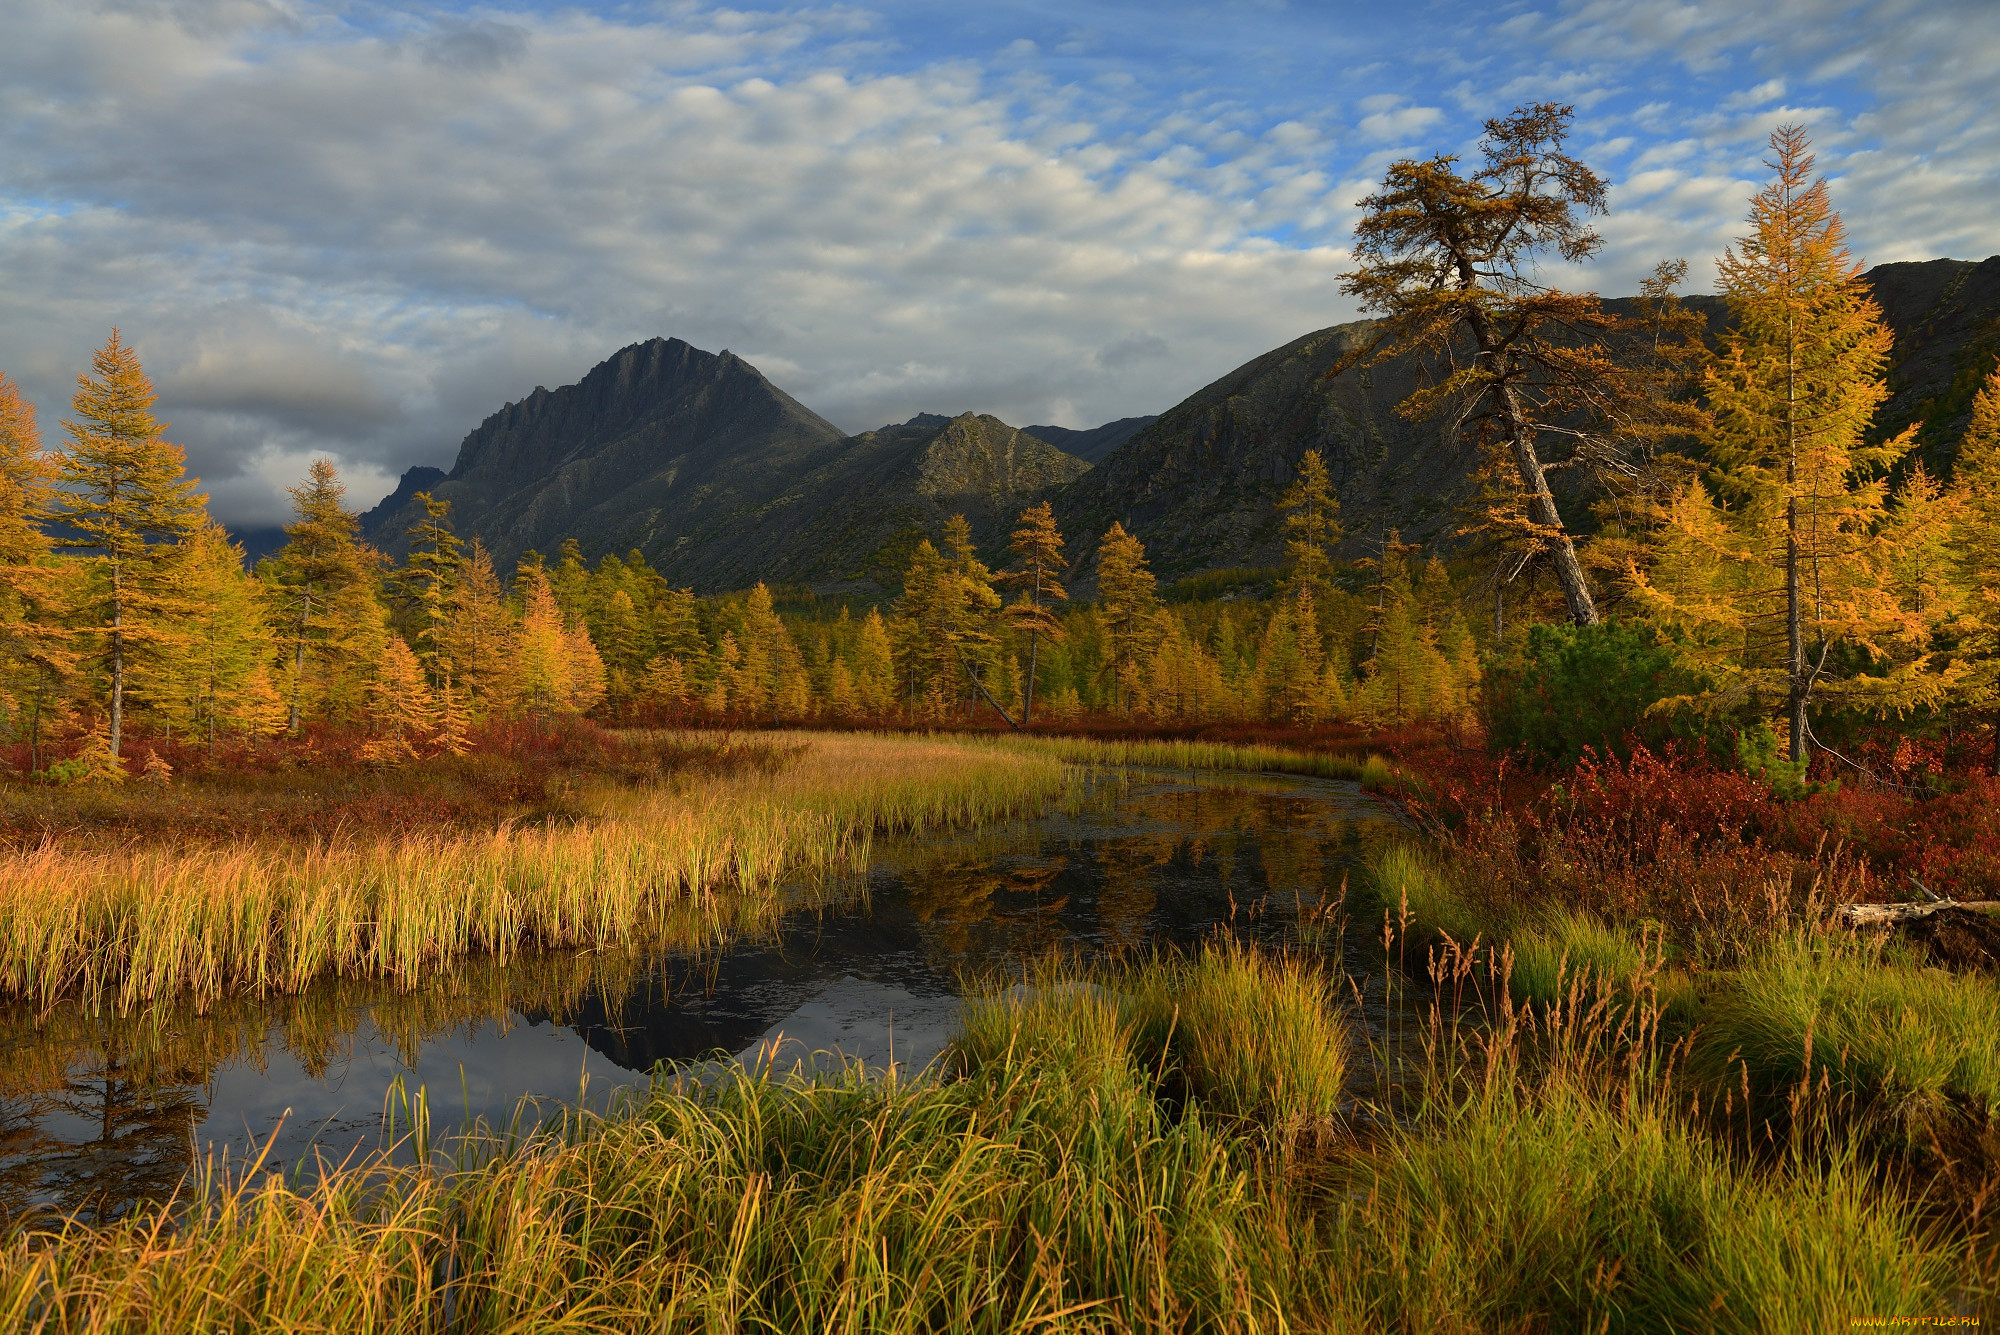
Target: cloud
[356, 231]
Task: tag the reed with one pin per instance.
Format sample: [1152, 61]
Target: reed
[678, 862]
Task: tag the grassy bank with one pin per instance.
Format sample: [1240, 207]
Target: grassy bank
[678, 859]
[1370, 771]
[1161, 1149]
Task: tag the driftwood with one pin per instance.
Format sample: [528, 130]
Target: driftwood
[1893, 915]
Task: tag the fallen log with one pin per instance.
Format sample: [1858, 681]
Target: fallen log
[1890, 915]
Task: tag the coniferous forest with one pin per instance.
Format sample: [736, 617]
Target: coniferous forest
[1643, 976]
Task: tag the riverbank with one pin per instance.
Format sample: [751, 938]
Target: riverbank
[672, 859]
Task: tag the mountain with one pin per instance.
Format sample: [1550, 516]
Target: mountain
[1199, 485]
[722, 479]
[1093, 445]
[662, 447]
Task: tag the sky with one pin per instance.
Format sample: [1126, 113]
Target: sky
[354, 230]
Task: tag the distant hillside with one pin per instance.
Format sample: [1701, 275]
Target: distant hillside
[1093, 445]
[856, 519]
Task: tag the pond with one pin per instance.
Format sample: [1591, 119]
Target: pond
[97, 1114]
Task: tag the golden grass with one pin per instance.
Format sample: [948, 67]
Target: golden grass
[1371, 772]
[665, 863]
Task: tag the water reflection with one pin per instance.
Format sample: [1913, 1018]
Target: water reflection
[96, 1113]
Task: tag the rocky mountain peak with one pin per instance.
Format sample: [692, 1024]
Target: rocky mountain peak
[978, 454]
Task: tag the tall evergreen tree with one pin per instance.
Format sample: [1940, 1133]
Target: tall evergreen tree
[123, 493]
[1312, 526]
[421, 590]
[874, 665]
[35, 656]
[1976, 540]
[972, 617]
[1785, 544]
[218, 678]
[478, 636]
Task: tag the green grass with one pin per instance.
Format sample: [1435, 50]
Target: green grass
[1564, 949]
[1407, 879]
[1246, 1036]
[1556, 1209]
[1911, 1042]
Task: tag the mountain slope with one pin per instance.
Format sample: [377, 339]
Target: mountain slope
[1200, 484]
[662, 447]
[858, 516]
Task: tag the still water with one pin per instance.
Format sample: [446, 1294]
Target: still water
[97, 1114]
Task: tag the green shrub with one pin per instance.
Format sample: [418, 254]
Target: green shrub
[1575, 687]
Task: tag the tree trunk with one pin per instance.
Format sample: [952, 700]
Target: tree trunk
[1542, 509]
[1521, 440]
[1028, 694]
[299, 663]
[1795, 640]
[980, 686]
[117, 665]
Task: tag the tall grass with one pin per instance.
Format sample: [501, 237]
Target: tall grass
[1914, 1043]
[1553, 1208]
[672, 862]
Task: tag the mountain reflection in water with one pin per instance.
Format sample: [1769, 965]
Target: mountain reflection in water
[98, 1113]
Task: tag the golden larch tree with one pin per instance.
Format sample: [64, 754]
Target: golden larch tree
[1778, 563]
[123, 492]
[1976, 544]
[1037, 545]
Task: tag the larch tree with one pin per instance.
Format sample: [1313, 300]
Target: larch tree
[972, 613]
[478, 636]
[541, 659]
[1784, 542]
[317, 576]
[874, 665]
[1127, 598]
[421, 589]
[1976, 540]
[1037, 545]
[35, 657]
[1449, 260]
[123, 493]
[1312, 526]
[402, 706]
[218, 679]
